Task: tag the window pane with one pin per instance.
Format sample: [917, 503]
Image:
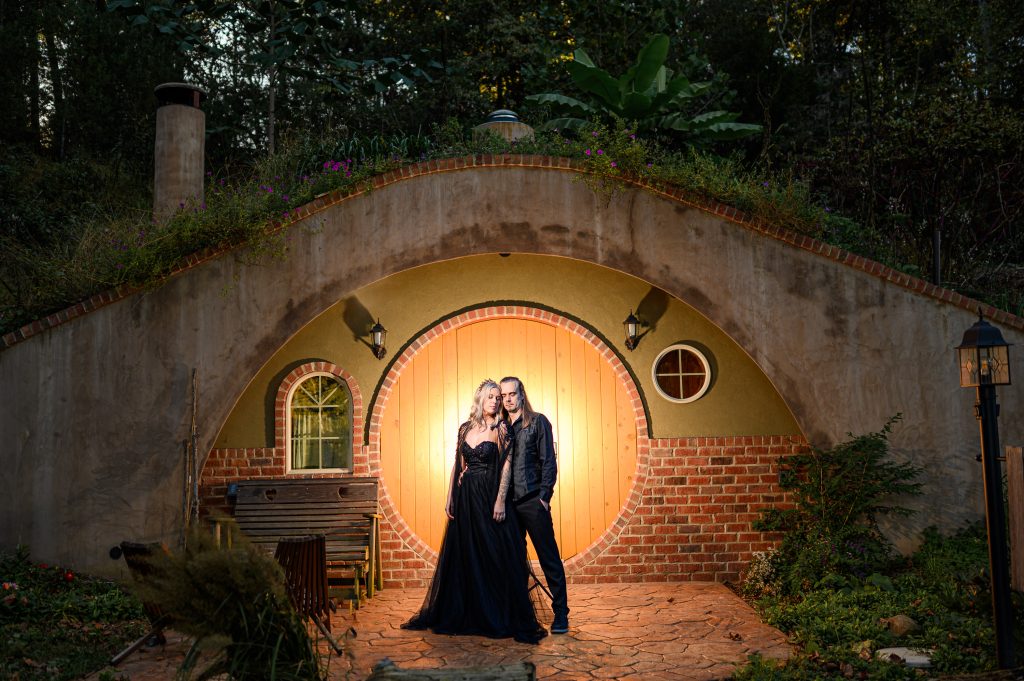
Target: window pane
[304, 453]
[669, 364]
[334, 422]
[692, 385]
[336, 453]
[691, 364]
[305, 396]
[670, 385]
[304, 423]
[331, 394]
[321, 426]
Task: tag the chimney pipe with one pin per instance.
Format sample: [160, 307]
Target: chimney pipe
[179, 150]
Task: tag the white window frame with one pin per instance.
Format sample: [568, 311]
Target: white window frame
[703, 360]
[288, 425]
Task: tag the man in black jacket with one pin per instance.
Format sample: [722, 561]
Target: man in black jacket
[534, 470]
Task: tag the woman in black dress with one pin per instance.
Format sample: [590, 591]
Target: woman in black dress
[480, 582]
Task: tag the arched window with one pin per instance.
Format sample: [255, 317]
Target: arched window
[681, 373]
[320, 424]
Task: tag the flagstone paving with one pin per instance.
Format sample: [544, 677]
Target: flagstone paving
[691, 630]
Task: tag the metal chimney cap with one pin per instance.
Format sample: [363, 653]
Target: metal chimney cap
[179, 93]
[502, 116]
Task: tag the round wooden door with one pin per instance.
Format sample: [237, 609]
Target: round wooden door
[566, 379]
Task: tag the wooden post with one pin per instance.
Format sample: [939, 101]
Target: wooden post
[1015, 493]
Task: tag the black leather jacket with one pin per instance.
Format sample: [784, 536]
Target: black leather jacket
[534, 468]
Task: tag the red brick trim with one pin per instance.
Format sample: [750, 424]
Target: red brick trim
[404, 540]
[296, 376]
[658, 187]
[224, 466]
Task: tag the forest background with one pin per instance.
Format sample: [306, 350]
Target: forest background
[904, 119]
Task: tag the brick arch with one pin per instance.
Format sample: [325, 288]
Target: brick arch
[294, 377]
[226, 465]
[402, 532]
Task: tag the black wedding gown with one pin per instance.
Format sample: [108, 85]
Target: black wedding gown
[480, 583]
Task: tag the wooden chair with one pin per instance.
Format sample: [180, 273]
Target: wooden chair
[138, 557]
[304, 560]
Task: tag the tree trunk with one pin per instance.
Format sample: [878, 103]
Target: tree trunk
[59, 113]
[271, 102]
[34, 96]
[272, 84]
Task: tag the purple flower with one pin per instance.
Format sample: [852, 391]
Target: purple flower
[614, 165]
[336, 166]
[203, 205]
[650, 165]
[600, 152]
[594, 133]
[632, 136]
[764, 184]
[587, 152]
[327, 165]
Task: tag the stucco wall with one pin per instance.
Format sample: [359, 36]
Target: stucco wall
[742, 401]
[96, 408]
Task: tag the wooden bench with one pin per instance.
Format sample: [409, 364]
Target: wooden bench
[344, 510]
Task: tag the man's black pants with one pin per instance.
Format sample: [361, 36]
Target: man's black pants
[535, 520]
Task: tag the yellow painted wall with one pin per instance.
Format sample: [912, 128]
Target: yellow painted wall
[741, 400]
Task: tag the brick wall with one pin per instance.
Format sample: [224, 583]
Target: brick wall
[688, 517]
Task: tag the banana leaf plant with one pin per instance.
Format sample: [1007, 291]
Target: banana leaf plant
[648, 94]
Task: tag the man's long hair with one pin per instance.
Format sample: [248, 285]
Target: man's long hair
[524, 401]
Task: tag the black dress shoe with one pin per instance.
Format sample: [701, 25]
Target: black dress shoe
[560, 625]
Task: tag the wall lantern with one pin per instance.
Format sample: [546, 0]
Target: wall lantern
[985, 363]
[378, 335]
[632, 325]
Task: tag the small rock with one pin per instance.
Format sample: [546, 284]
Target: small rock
[899, 625]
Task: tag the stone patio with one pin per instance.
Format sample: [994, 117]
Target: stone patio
[691, 630]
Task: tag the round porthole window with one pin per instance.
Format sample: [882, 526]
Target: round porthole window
[681, 373]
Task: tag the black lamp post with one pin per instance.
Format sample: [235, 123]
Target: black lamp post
[378, 335]
[984, 364]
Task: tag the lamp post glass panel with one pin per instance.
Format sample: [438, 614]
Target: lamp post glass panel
[378, 336]
[631, 325]
[985, 363]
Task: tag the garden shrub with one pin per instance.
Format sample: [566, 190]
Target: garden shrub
[831, 529]
[56, 623]
[833, 582]
[232, 601]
